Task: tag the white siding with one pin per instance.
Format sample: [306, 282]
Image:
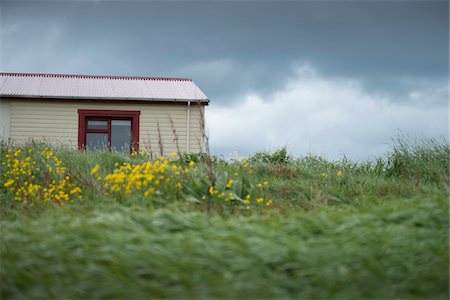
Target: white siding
[4, 118]
[57, 123]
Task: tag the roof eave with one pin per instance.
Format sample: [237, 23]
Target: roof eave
[206, 100]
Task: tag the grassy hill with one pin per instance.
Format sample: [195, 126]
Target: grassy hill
[103, 225]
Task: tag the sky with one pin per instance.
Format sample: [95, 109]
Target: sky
[330, 78]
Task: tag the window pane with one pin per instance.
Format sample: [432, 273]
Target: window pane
[121, 135]
[94, 124]
[97, 141]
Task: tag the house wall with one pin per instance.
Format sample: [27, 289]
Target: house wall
[4, 118]
[57, 122]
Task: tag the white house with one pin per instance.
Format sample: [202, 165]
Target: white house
[103, 112]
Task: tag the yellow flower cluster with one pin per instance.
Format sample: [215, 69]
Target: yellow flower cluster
[247, 166]
[214, 193]
[169, 180]
[325, 175]
[148, 177]
[260, 185]
[228, 194]
[37, 176]
[258, 200]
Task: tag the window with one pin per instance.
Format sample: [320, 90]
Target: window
[116, 130]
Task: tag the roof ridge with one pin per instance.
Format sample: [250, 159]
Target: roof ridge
[94, 76]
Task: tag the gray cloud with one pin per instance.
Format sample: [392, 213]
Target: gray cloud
[394, 52]
[344, 38]
[330, 117]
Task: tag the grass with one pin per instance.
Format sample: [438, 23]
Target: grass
[335, 230]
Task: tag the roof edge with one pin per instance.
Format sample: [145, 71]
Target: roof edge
[105, 98]
[93, 76]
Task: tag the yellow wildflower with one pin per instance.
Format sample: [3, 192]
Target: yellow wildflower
[75, 190]
[149, 192]
[211, 190]
[95, 169]
[9, 182]
[191, 164]
[339, 173]
[230, 183]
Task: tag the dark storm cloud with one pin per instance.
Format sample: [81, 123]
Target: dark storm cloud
[228, 47]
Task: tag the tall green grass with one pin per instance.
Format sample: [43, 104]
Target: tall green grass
[420, 160]
[336, 230]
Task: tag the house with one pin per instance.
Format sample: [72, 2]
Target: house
[122, 113]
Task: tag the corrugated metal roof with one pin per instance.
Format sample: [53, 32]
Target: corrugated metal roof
[99, 87]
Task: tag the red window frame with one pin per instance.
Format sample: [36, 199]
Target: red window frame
[101, 115]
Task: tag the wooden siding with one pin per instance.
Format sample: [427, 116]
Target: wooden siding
[4, 118]
[57, 123]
